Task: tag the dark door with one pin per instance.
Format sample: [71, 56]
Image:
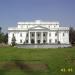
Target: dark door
[38, 41]
[32, 41]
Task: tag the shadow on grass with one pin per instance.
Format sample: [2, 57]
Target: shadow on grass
[28, 68]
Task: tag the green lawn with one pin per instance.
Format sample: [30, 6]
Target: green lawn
[18, 61]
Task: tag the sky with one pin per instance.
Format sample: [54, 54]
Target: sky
[13, 11]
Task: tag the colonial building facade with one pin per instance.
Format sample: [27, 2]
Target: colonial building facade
[38, 32]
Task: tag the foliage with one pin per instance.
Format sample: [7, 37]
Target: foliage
[13, 41]
[6, 38]
[0, 29]
[3, 37]
[72, 35]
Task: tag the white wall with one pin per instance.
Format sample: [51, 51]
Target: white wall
[53, 37]
[17, 36]
[27, 25]
[64, 39]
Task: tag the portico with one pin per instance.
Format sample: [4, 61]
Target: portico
[38, 37]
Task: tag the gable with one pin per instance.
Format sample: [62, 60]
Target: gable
[38, 28]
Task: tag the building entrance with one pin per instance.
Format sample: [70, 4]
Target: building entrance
[38, 41]
[32, 41]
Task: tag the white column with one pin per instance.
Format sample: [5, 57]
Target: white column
[35, 38]
[58, 35]
[48, 37]
[29, 37]
[41, 37]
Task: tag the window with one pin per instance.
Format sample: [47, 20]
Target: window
[32, 41]
[50, 41]
[20, 34]
[49, 34]
[20, 41]
[38, 34]
[27, 34]
[44, 41]
[44, 34]
[32, 34]
[38, 41]
[13, 34]
[56, 34]
[63, 34]
[56, 41]
[26, 41]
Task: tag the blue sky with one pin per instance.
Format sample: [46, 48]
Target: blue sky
[12, 11]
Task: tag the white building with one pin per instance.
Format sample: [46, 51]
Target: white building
[38, 32]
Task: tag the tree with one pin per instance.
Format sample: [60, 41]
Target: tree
[13, 41]
[6, 38]
[0, 29]
[1, 37]
[72, 35]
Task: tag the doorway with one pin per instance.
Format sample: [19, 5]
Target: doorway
[38, 41]
[32, 41]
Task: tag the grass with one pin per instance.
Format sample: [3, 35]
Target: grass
[19, 61]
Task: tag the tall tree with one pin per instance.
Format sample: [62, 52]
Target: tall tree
[1, 37]
[72, 35]
[0, 29]
[6, 38]
[13, 41]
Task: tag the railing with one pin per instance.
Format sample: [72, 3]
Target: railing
[63, 28]
[38, 22]
[60, 28]
[15, 28]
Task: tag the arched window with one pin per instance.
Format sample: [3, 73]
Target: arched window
[32, 41]
[38, 41]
